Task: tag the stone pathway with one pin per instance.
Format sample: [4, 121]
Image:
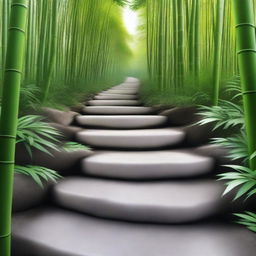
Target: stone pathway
[141, 194]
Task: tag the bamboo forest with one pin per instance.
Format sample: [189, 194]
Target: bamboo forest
[127, 127]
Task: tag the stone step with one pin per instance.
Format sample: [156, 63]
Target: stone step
[131, 80]
[126, 86]
[114, 103]
[132, 139]
[155, 202]
[117, 110]
[58, 232]
[121, 121]
[147, 165]
[108, 96]
[122, 91]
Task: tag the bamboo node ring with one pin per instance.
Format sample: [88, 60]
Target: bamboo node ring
[13, 70]
[18, 4]
[246, 50]
[245, 24]
[7, 162]
[16, 28]
[3, 236]
[8, 136]
[249, 92]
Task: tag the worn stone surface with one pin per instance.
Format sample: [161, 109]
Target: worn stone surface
[122, 121]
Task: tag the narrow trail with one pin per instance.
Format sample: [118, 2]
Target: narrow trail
[143, 193]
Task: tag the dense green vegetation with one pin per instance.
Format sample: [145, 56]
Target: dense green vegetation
[188, 57]
[75, 48]
[70, 50]
[192, 58]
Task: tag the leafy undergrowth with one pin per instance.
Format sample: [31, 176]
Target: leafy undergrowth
[153, 97]
[38, 173]
[247, 219]
[192, 93]
[74, 146]
[229, 116]
[34, 133]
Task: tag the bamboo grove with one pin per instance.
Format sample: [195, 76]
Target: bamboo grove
[70, 46]
[190, 44]
[77, 47]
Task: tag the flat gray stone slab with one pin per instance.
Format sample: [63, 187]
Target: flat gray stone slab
[117, 110]
[156, 202]
[114, 103]
[127, 86]
[147, 165]
[122, 91]
[108, 96]
[131, 80]
[57, 232]
[122, 121]
[127, 139]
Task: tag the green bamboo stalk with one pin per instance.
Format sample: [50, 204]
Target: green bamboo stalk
[5, 14]
[180, 43]
[196, 41]
[191, 37]
[246, 46]
[53, 50]
[9, 117]
[175, 43]
[217, 51]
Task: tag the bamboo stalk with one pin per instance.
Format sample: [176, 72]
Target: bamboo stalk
[52, 51]
[9, 117]
[180, 49]
[217, 51]
[246, 46]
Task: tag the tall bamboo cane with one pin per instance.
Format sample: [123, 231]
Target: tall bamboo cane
[197, 41]
[180, 43]
[9, 115]
[53, 51]
[246, 46]
[217, 52]
[5, 13]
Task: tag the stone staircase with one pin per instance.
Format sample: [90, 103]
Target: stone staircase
[141, 194]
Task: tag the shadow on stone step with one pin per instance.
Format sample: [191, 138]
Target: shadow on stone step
[58, 116]
[68, 131]
[181, 116]
[27, 194]
[219, 153]
[66, 163]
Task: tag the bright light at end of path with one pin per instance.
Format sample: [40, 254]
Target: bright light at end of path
[131, 20]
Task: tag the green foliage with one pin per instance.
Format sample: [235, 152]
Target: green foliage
[227, 115]
[155, 97]
[230, 116]
[74, 146]
[236, 145]
[35, 133]
[243, 177]
[247, 219]
[195, 92]
[137, 4]
[233, 87]
[121, 2]
[38, 173]
[29, 97]
[61, 63]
